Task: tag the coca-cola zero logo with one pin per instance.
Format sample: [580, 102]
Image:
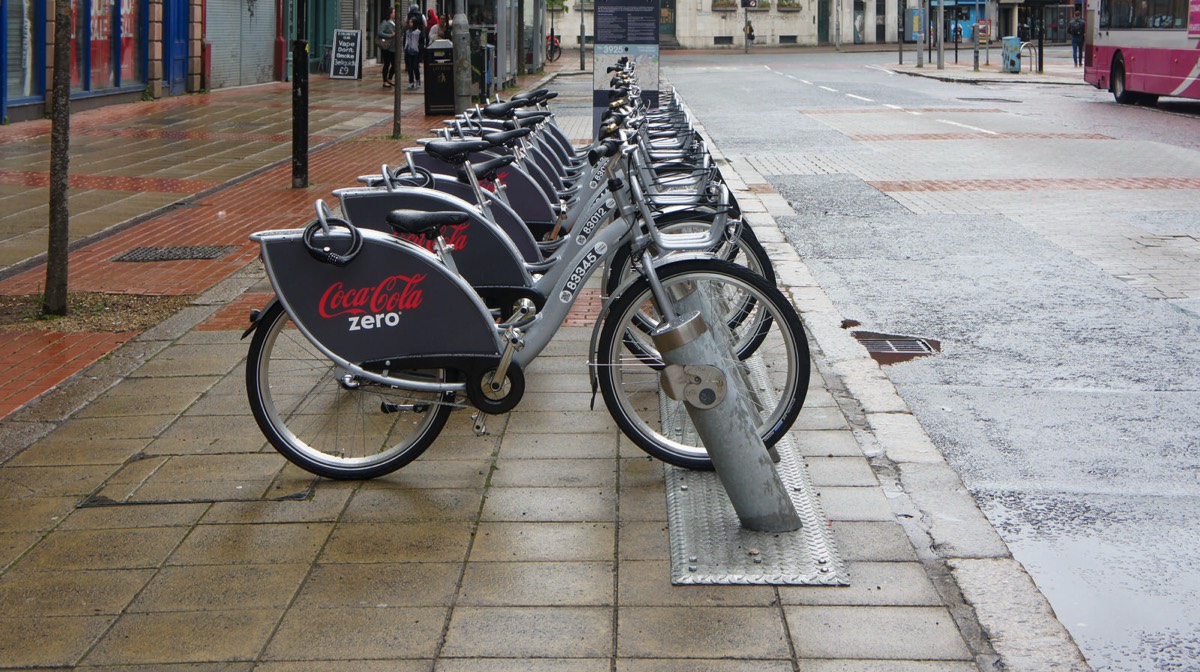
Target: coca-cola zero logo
[454, 235]
[372, 307]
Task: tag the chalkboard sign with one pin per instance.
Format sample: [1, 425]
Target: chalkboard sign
[347, 54]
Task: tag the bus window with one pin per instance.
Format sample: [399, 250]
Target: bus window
[1121, 14]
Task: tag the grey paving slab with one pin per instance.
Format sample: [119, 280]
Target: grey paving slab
[380, 585]
[548, 542]
[521, 665]
[251, 544]
[529, 632]
[49, 642]
[397, 542]
[701, 632]
[582, 504]
[694, 665]
[192, 636]
[530, 584]
[217, 587]
[53, 593]
[340, 633]
[413, 505]
[901, 633]
[105, 549]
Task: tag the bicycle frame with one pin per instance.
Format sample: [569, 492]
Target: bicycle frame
[358, 308]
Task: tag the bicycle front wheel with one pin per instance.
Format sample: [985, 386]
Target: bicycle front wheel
[770, 357]
[553, 52]
[325, 420]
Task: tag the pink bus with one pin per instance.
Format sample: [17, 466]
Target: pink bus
[1143, 49]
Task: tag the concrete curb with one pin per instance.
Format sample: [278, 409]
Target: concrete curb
[999, 610]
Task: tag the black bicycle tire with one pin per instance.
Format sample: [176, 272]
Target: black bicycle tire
[634, 293]
[265, 334]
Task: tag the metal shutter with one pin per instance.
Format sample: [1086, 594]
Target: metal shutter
[242, 35]
[258, 41]
[224, 32]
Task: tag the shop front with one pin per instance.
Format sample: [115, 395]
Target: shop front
[108, 54]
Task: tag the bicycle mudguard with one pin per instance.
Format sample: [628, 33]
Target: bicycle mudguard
[503, 214]
[394, 300]
[524, 193]
[485, 255]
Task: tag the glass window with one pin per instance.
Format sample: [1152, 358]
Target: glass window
[101, 65]
[78, 52]
[1162, 14]
[23, 59]
[131, 48]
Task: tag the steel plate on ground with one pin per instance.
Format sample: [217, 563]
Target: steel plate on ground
[708, 544]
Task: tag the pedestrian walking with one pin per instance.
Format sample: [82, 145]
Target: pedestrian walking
[387, 44]
[749, 34]
[414, 42]
[435, 26]
[1076, 29]
[414, 12]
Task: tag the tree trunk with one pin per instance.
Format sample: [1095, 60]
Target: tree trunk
[54, 302]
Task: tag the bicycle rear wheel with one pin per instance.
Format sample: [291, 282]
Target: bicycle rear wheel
[767, 340]
[553, 52]
[326, 421]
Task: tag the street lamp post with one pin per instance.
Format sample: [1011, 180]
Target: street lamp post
[919, 34]
[941, 42]
[581, 30]
[462, 58]
[300, 98]
[975, 33]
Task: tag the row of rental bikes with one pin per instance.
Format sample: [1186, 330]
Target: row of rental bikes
[440, 282]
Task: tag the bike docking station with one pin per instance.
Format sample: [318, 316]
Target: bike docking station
[754, 519]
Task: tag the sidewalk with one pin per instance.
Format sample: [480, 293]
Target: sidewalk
[1057, 67]
[145, 522]
[188, 174]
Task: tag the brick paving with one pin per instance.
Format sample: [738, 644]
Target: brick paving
[224, 217]
[28, 178]
[35, 361]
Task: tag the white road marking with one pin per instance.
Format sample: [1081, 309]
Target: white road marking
[829, 89]
[851, 95]
[973, 128]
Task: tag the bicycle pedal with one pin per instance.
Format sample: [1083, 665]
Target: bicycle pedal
[480, 423]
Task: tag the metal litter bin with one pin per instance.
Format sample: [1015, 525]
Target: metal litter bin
[1010, 52]
[439, 78]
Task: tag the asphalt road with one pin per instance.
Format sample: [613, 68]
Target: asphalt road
[1067, 392]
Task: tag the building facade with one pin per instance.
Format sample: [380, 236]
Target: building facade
[123, 50]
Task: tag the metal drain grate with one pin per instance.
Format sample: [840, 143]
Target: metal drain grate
[176, 253]
[890, 349]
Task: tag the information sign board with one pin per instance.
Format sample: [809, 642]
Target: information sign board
[624, 29]
[347, 54]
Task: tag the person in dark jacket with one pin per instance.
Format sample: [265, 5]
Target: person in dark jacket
[1076, 29]
[387, 40]
[414, 12]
